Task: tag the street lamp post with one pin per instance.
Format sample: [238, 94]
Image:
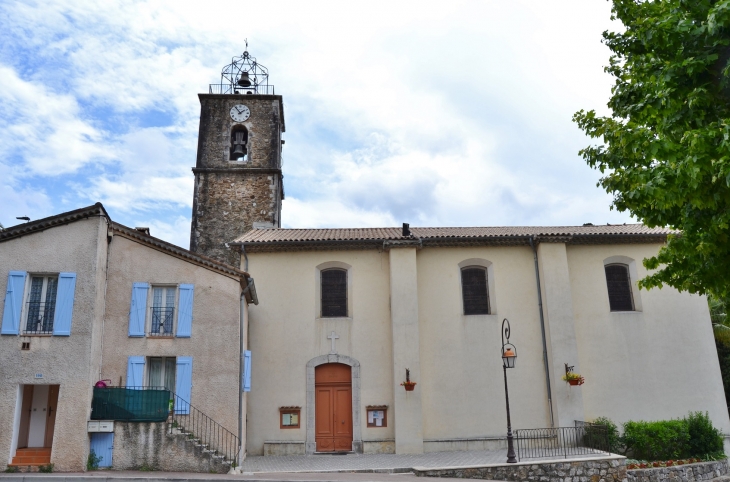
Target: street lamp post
[509, 355]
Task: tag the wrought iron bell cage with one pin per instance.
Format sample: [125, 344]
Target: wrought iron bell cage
[244, 75]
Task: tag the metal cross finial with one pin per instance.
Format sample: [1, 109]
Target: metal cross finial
[333, 336]
[246, 40]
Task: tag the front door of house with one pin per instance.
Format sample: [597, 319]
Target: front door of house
[333, 407]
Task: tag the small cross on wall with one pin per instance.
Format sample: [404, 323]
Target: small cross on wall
[333, 336]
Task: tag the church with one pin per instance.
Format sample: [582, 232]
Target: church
[350, 340]
[389, 340]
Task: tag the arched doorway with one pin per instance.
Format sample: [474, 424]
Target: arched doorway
[333, 407]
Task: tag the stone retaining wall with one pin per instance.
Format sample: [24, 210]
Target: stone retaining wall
[609, 469]
[680, 473]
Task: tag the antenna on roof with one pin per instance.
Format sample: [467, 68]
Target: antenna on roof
[23, 218]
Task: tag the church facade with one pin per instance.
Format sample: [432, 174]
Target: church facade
[378, 302]
[353, 315]
[389, 340]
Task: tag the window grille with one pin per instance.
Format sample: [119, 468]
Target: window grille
[41, 305]
[334, 292]
[474, 291]
[619, 287]
[163, 311]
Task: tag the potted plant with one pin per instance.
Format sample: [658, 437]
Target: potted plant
[408, 384]
[574, 378]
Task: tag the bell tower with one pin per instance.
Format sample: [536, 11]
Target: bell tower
[238, 179]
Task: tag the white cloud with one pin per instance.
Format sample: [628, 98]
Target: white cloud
[430, 113]
[45, 128]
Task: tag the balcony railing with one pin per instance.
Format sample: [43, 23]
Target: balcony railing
[583, 439]
[234, 89]
[157, 404]
[162, 321]
[40, 317]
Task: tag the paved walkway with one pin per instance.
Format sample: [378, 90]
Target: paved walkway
[369, 462]
[132, 476]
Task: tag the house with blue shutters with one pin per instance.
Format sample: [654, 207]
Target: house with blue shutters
[117, 342]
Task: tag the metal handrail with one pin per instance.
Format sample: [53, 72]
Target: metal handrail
[203, 429]
[584, 439]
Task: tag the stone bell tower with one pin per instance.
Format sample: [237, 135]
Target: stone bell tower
[238, 179]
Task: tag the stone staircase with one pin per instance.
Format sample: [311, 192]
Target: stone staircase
[31, 457]
[212, 460]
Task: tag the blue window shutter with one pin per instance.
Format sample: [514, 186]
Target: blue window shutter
[138, 310]
[247, 371]
[13, 303]
[185, 312]
[183, 384]
[135, 371]
[64, 304]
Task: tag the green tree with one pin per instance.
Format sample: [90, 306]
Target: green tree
[665, 151]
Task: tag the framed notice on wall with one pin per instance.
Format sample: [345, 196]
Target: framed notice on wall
[289, 417]
[377, 415]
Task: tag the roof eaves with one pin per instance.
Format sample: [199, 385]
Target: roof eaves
[19, 230]
[179, 252]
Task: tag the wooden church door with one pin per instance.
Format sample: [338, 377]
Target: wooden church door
[333, 407]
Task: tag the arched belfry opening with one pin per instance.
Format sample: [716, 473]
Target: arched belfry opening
[239, 144]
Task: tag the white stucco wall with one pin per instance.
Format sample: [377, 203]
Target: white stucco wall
[214, 344]
[656, 364]
[461, 354]
[660, 363]
[68, 361]
[285, 333]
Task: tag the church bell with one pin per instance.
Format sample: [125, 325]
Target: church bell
[238, 150]
[244, 81]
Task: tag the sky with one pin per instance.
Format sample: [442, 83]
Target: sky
[450, 113]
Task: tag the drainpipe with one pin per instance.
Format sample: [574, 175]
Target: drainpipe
[544, 340]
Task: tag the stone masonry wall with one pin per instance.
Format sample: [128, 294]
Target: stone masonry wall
[264, 128]
[148, 446]
[681, 473]
[226, 206]
[607, 470]
[230, 196]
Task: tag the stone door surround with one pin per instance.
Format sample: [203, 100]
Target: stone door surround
[311, 444]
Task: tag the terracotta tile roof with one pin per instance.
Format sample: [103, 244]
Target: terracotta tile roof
[52, 221]
[280, 236]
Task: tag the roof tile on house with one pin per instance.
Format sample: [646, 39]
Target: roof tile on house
[279, 236]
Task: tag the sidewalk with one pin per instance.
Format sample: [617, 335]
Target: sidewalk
[370, 462]
[131, 476]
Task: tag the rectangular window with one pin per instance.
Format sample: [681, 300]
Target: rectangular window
[475, 290]
[377, 416]
[618, 282]
[162, 372]
[289, 417]
[334, 293]
[162, 310]
[41, 304]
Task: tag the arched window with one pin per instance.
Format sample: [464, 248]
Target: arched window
[618, 282]
[475, 290]
[334, 292]
[239, 143]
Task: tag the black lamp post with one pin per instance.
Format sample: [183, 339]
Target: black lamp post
[509, 355]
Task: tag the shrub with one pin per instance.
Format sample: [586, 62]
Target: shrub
[46, 469]
[615, 442]
[662, 440]
[12, 469]
[92, 461]
[704, 438]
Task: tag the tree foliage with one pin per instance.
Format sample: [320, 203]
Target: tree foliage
[665, 151]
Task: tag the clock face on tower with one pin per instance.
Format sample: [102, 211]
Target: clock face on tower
[240, 113]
